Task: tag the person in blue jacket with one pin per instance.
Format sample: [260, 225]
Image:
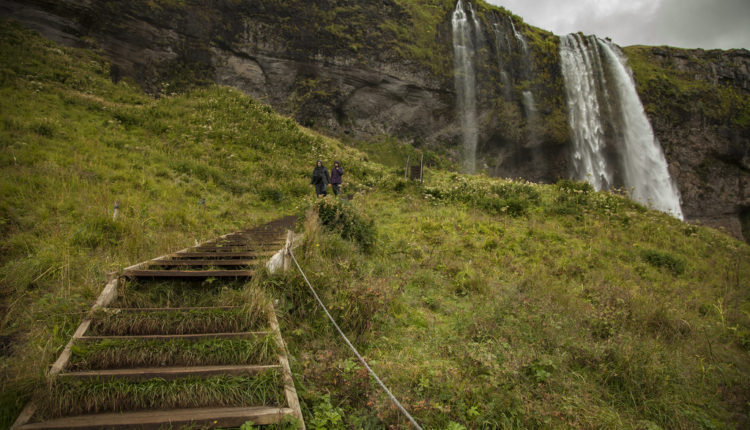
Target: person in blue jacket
[336, 173]
[320, 179]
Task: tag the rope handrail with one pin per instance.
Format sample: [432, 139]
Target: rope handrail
[359, 356]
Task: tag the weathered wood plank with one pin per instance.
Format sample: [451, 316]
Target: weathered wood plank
[200, 336]
[189, 273]
[244, 254]
[289, 390]
[199, 308]
[169, 372]
[108, 294]
[187, 262]
[203, 417]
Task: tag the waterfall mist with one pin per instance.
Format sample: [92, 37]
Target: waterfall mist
[614, 144]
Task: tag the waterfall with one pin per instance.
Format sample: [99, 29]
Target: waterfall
[614, 144]
[527, 97]
[520, 38]
[502, 45]
[532, 117]
[501, 39]
[465, 81]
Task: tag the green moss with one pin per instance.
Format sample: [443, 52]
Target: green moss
[675, 95]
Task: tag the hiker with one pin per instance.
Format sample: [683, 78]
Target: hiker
[336, 174]
[320, 179]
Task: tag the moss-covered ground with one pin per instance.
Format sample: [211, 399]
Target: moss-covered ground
[482, 303]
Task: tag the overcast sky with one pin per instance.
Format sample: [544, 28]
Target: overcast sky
[705, 24]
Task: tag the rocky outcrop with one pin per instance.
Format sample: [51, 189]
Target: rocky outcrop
[361, 69]
[699, 106]
[243, 46]
[302, 60]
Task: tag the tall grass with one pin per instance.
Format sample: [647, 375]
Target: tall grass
[114, 322]
[74, 144]
[117, 354]
[483, 303]
[585, 310]
[66, 397]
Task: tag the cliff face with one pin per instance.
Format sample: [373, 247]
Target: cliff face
[361, 69]
[377, 68]
[699, 105]
[300, 57]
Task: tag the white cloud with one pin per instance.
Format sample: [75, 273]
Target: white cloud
[684, 23]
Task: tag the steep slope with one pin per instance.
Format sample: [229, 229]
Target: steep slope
[369, 71]
[482, 302]
[181, 169]
[499, 304]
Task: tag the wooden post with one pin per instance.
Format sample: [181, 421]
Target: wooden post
[421, 169]
[287, 249]
[406, 170]
[116, 211]
[292, 400]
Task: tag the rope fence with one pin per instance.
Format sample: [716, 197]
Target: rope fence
[359, 356]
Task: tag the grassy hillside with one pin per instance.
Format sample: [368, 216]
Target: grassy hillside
[482, 303]
[74, 144]
[492, 304]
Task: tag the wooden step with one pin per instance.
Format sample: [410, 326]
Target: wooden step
[196, 262]
[200, 336]
[203, 417]
[222, 250]
[169, 372]
[245, 246]
[202, 308]
[244, 254]
[188, 273]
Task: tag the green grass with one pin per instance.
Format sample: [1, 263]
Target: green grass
[118, 354]
[482, 303]
[676, 95]
[73, 144]
[138, 294]
[114, 322]
[585, 310]
[68, 397]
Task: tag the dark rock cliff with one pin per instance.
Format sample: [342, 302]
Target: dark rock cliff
[699, 105]
[379, 68]
[288, 54]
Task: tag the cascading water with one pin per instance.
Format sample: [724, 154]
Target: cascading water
[532, 117]
[502, 45]
[614, 144]
[521, 41]
[501, 39]
[465, 81]
[527, 97]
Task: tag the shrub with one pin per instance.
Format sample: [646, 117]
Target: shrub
[571, 196]
[664, 260]
[270, 194]
[340, 216]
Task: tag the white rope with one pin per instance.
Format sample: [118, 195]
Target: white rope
[361, 359]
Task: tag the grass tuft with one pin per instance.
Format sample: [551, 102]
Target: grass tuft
[116, 354]
[67, 397]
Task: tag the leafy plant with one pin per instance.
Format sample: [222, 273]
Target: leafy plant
[340, 216]
[665, 260]
[326, 416]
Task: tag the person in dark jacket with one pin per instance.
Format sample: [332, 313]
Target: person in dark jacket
[336, 173]
[320, 179]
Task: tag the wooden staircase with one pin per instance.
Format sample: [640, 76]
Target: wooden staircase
[235, 254]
